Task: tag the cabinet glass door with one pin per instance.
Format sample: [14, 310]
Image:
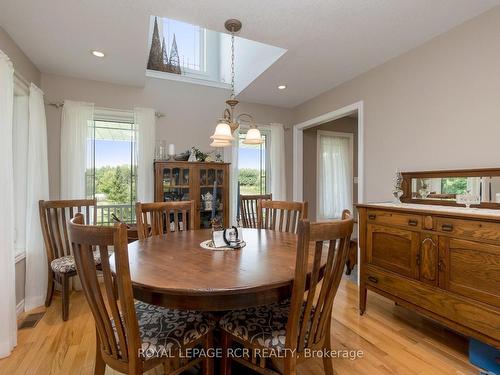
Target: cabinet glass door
[211, 191]
[175, 184]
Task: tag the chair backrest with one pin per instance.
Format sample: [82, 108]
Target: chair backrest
[280, 215]
[158, 218]
[248, 209]
[308, 326]
[54, 217]
[112, 308]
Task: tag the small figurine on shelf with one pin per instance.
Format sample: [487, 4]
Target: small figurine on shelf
[397, 192]
[207, 199]
[192, 155]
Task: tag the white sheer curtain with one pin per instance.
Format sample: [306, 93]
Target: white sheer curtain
[75, 120]
[37, 188]
[8, 330]
[145, 124]
[277, 162]
[335, 171]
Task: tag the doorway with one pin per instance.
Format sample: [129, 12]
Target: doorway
[305, 158]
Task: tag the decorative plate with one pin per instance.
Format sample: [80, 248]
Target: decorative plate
[208, 245]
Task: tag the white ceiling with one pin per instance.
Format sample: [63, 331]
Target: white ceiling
[328, 41]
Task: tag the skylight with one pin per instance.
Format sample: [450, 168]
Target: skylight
[182, 51]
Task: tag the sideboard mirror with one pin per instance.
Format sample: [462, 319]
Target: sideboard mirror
[443, 187]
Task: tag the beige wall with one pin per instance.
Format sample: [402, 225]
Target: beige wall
[310, 145]
[22, 64]
[191, 112]
[434, 107]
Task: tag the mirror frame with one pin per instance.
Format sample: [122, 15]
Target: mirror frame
[482, 172]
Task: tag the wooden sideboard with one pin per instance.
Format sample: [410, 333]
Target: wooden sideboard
[442, 262]
[183, 180]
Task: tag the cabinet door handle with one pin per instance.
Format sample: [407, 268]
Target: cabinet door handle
[418, 259]
[447, 227]
[412, 222]
[373, 279]
[372, 216]
[441, 266]
[429, 239]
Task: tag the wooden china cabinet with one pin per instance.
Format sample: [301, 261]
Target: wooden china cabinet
[441, 261]
[182, 180]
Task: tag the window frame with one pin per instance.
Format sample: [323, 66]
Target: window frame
[202, 52]
[329, 133]
[264, 130]
[120, 117]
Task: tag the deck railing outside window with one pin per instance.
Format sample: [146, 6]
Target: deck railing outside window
[124, 212]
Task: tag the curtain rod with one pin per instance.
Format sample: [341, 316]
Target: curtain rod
[22, 79]
[61, 104]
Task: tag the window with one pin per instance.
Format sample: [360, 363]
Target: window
[111, 172]
[190, 41]
[20, 157]
[253, 166]
[334, 174]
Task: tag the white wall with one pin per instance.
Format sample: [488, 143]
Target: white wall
[252, 59]
[435, 107]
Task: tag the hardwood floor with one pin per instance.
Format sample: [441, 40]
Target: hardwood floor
[394, 341]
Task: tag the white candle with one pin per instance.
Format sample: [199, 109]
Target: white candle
[171, 149]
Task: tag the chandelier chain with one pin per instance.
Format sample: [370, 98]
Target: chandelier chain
[232, 64]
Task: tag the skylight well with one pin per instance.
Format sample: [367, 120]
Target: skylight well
[186, 52]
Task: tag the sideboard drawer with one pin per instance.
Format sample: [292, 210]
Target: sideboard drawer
[475, 229]
[392, 218]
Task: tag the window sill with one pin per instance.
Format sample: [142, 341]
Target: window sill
[187, 79]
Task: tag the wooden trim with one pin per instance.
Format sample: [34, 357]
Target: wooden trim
[298, 146]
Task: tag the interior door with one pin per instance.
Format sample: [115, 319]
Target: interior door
[470, 268]
[393, 249]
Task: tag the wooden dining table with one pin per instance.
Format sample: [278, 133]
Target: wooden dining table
[174, 271]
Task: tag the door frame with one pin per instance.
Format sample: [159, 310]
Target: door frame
[331, 133]
[298, 146]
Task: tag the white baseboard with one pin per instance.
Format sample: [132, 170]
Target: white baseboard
[20, 308]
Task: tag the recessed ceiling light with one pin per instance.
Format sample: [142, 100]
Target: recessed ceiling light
[97, 53]
[281, 87]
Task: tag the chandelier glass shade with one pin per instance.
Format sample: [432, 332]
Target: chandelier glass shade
[223, 135]
[253, 137]
[223, 132]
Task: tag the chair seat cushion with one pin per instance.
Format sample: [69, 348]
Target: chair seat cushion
[260, 325]
[67, 264]
[164, 329]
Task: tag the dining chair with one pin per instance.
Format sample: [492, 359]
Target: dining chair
[280, 215]
[301, 324]
[132, 336]
[158, 218]
[248, 209]
[54, 216]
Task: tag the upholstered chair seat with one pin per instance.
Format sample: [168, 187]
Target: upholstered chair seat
[263, 326]
[164, 329]
[67, 263]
